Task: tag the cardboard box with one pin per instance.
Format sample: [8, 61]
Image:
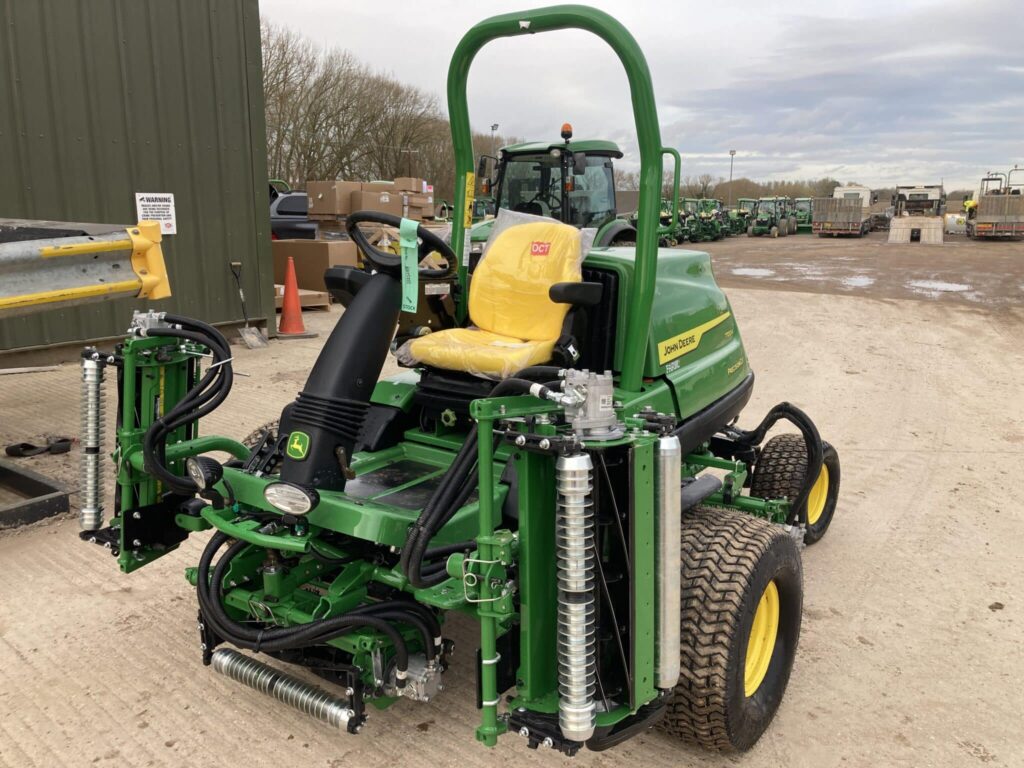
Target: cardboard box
[410, 184]
[330, 198]
[378, 186]
[312, 258]
[421, 199]
[384, 202]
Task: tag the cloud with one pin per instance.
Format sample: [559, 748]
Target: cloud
[876, 92]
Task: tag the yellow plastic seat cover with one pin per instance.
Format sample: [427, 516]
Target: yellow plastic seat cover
[515, 322]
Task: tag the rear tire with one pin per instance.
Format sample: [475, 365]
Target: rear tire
[750, 231]
[733, 567]
[783, 227]
[779, 474]
[253, 438]
[774, 231]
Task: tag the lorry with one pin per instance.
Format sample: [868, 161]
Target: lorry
[847, 212]
[920, 200]
[998, 211]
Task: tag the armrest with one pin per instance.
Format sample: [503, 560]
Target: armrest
[577, 294]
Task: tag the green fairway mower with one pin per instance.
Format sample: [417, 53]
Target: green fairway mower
[803, 212]
[770, 217]
[562, 465]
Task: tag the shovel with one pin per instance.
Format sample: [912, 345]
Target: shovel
[251, 337]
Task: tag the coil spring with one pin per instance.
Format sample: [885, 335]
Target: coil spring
[300, 695]
[574, 541]
[93, 407]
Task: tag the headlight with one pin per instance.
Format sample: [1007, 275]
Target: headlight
[204, 471]
[291, 499]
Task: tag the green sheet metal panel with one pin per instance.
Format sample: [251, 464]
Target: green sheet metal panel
[104, 99]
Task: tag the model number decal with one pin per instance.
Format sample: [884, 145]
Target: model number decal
[687, 341]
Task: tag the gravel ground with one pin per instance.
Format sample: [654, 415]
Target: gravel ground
[911, 652]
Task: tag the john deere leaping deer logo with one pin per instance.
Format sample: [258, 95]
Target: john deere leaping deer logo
[298, 446]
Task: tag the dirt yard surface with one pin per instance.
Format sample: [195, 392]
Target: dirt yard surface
[960, 271]
[911, 651]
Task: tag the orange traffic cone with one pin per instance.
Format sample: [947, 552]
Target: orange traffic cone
[291, 325]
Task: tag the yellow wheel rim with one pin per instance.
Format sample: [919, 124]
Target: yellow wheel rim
[761, 643]
[819, 495]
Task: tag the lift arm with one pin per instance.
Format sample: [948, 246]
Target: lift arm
[62, 271]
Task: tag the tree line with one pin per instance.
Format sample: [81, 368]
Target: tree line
[329, 116]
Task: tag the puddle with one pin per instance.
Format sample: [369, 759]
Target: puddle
[939, 286]
[858, 281]
[753, 272]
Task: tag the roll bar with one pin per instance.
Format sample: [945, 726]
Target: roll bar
[648, 139]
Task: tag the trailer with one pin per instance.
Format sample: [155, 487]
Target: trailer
[998, 213]
[847, 212]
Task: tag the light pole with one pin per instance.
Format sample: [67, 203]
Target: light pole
[732, 156]
[494, 128]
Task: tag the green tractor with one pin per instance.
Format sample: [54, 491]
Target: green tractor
[771, 217]
[803, 211]
[571, 181]
[737, 216]
[630, 554]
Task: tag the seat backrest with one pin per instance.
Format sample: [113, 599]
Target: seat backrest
[509, 291]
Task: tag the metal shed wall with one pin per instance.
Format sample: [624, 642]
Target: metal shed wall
[106, 98]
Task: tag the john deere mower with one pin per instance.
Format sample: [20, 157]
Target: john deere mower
[562, 463]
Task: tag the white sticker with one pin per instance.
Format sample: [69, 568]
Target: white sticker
[157, 206]
[436, 289]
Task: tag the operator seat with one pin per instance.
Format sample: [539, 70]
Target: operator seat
[515, 322]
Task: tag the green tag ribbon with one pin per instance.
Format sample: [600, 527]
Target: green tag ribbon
[410, 264]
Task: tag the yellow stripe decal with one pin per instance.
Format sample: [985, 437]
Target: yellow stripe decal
[687, 341]
[70, 294]
[81, 249]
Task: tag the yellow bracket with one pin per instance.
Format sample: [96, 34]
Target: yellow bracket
[148, 260]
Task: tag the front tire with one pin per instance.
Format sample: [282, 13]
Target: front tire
[779, 474]
[742, 597]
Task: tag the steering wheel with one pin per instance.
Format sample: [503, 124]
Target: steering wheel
[389, 263]
[549, 198]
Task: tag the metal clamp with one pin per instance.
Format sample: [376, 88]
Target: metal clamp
[467, 575]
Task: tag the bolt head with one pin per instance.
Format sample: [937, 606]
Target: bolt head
[548, 742]
[524, 732]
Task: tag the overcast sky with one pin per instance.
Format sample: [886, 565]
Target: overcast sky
[873, 91]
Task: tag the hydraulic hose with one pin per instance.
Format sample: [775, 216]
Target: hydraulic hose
[281, 638]
[812, 440]
[452, 492]
[201, 400]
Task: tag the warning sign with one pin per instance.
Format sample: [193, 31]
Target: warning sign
[157, 206]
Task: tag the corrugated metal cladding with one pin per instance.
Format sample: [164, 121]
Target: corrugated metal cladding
[101, 99]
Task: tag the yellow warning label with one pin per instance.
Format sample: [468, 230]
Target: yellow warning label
[687, 341]
[467, 215]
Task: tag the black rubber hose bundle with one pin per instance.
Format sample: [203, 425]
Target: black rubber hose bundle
[815, 450]
[201, 400]
[455, 488]
[316, 632]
